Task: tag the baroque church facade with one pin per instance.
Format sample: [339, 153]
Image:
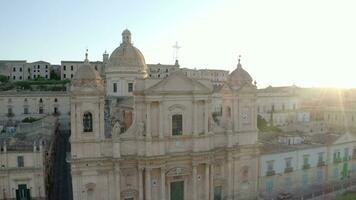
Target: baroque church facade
[173, 147]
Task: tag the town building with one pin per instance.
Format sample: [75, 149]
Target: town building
[16, 106]
[26, 160]
[305, 166]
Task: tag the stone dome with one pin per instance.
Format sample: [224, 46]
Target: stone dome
[240, 77]
[86, 75]
[126, 55]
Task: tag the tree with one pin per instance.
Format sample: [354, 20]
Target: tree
[53, 75]
[3, 78]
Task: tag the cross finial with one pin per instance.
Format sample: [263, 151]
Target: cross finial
[176, 48]
[86, 54]
[239, 58]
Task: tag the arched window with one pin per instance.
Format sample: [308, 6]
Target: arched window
[41, 101]
[55, 100]
[177, 124]
[87, 122]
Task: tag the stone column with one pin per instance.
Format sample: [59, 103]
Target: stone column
[117, 183]
[206, 118]
[206, 190]
[163, 183]
[229, 179]
[148, 184]
[195, 119]
[140, 184]
[148, 120]
[211, 182]
[195, 191]
[161, 119]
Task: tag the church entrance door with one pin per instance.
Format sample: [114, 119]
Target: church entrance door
[177, 190]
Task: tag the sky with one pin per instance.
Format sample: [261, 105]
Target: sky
[309, 43]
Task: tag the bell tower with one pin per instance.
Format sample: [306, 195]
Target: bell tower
[87, 95]
[239, 105]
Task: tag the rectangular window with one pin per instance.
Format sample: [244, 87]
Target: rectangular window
[71, 76]
[40, 110]
[306, 159]
[9, 111]
[130, 87]
[270, 165]
[64, 76]
[306, 164]
[20, 161]
[64, 67]
[115, 87]
[71, 67]
[25, 110]
[38, 66]
[320, 157]
[20, 69]
[288, 162]
[346, 153]
[177, 124]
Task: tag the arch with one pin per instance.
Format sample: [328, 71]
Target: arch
[87, 122]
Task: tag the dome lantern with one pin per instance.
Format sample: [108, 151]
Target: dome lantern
[126, 36]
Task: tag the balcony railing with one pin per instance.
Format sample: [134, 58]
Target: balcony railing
[346, 158]
[321, 163]
[270, 173]
[337, 160]
[288, 169]
[306, 166]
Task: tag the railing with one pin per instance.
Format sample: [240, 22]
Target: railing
[337, 160]
[306, 166]
[321, 163]
[270, 173]
[288, 169]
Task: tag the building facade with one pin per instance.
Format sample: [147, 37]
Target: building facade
[173, 149]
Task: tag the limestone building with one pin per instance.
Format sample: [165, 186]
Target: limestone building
[26, 160]
[173, 149]
[19, 70]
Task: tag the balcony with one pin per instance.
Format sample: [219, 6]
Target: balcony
[270, 173]
[306, 166]
[321, 163]
[288, 169]
[345, 158]
[337, 160]
[10, 114]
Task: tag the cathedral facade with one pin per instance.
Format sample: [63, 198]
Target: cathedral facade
[174, 149]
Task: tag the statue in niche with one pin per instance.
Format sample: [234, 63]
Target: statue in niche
[141, 128]
[117, 128]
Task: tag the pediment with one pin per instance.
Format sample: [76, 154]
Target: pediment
[347, 137]
[178, 83]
